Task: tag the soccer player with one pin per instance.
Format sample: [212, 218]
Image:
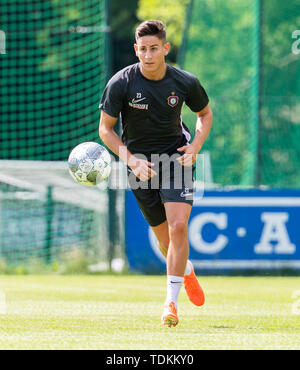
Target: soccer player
[149, 95]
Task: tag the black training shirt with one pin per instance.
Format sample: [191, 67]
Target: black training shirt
[151, 110]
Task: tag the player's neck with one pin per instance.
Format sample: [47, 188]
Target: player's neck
[157, 75]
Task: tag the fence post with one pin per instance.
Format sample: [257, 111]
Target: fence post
[49, 217]
[2, 42]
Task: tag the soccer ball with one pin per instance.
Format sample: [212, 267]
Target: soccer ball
[89, 164]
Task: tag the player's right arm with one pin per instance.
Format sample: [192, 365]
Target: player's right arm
[140, 167]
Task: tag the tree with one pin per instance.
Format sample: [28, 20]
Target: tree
[172, 14]
[223, 48]
[123, 20]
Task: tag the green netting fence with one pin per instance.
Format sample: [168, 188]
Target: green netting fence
[242, 53]
[51, 76]
[53, 68]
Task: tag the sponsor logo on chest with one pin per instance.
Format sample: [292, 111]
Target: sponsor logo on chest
[138, 102]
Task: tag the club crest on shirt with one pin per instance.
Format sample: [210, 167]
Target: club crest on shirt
[173, 100]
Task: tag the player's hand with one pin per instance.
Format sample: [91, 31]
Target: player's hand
[189, 157]
[142, 168]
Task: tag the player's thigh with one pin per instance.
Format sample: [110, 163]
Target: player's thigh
[178, 203]
[178, 214]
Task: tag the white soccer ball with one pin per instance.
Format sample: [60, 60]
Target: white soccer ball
[89, 164]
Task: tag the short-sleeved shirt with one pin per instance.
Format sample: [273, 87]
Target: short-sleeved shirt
[151, 110]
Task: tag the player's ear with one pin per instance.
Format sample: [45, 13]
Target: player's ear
[167, 47]
[136, 49]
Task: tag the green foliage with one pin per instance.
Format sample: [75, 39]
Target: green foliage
[280, 126]
[217, 55]
[33, 266]
[171, 13]
[122, 22]
[51, 76]
[61, 45]
[75, 262]
[223, 51]
[71, 262]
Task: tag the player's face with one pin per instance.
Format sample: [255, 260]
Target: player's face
[151, 52]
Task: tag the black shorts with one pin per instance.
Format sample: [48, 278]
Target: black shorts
[174, 183]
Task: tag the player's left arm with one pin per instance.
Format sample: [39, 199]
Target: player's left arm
[203, 126]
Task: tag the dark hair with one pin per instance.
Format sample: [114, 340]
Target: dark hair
[151, 28]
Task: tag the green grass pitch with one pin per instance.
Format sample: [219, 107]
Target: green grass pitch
[123, 312]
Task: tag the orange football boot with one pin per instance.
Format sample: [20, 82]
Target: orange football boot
[193, 288]
[169, 316]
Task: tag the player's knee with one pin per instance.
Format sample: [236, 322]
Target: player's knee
[178, 227]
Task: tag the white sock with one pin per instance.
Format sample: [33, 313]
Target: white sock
[188, 268]
[173, 288]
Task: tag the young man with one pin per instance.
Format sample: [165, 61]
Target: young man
[149, 95]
